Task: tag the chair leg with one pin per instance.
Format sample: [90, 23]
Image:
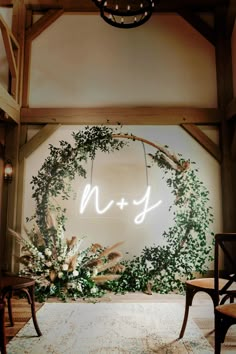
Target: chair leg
[2, 330]
[188, 302]
[32, 304]
[217, 333]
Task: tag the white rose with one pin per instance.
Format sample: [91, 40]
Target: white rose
[95, 272]
[163, 272]
[48, 264]
[93, 290]
[60, 275]
[79, 287]
[48, 252]
[75, 273]
[65, 266]
[59, 259]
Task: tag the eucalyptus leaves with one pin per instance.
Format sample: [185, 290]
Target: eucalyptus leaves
[160, 268]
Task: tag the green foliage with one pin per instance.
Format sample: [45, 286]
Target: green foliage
[185, 250]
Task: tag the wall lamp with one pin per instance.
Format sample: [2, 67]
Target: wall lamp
[8, 171]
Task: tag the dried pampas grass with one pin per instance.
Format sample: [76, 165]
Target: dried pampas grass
[109, 264]
[71, 242]
[95, 247]
[109, 249]
[100, 279]
[114, 255]
[72, 262]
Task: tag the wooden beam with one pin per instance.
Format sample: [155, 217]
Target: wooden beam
[231, 109]
[12, 145]
[225, 95]
[233, 145]
[88, 5]
[7, 35]
[20, 190]
[43, 23]
[18, 29]
[224, 72]
[200, 25]
[203, 140]
[9, 105]
[29, 147]
[6, 3]
[230, 20]
[122, 115]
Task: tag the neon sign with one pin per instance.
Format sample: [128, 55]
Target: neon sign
[90, 191]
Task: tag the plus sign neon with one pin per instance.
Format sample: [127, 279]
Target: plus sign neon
[122, 203]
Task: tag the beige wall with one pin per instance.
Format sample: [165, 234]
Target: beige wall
[164, 62]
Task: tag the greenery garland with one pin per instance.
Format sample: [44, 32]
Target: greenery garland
[62, 269]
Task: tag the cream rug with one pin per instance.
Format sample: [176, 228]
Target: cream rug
[107, 328]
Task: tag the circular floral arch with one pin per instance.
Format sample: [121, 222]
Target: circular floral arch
[186, 249]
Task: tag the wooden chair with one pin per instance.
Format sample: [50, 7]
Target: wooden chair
[2, 328]
[225, 317]
[219, 289]
[10, 284]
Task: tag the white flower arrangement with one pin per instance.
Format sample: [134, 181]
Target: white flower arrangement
[63, 269]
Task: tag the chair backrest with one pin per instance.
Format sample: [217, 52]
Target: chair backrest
[225, 242]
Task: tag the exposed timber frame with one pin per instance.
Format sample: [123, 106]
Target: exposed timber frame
[123, 115]
[9, 98]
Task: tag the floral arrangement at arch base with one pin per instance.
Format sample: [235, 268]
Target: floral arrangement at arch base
[62, 268]
[67, 270]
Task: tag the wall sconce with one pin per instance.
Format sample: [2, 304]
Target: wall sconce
[8, 171]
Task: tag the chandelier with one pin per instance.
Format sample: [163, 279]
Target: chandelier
[125, 14]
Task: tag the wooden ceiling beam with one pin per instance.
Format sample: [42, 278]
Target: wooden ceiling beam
[6, 3]
[43, 23]
[203, 140]
[230, 19]
[6, 35]
[9, 105]
[200, 25]
[30, 146]
[122, 115]
[231, 109]
[89, 6]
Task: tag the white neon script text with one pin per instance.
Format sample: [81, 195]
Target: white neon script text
[140, 217]
[89, 191]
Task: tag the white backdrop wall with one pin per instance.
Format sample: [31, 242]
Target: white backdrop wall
[80, 61]
[123, 174]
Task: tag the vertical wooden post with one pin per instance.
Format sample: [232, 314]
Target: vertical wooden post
[12, 143]
[225, 95]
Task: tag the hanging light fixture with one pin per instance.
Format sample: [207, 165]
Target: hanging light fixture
[125, 14]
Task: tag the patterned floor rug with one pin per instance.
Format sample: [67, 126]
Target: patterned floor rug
[109, 328]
